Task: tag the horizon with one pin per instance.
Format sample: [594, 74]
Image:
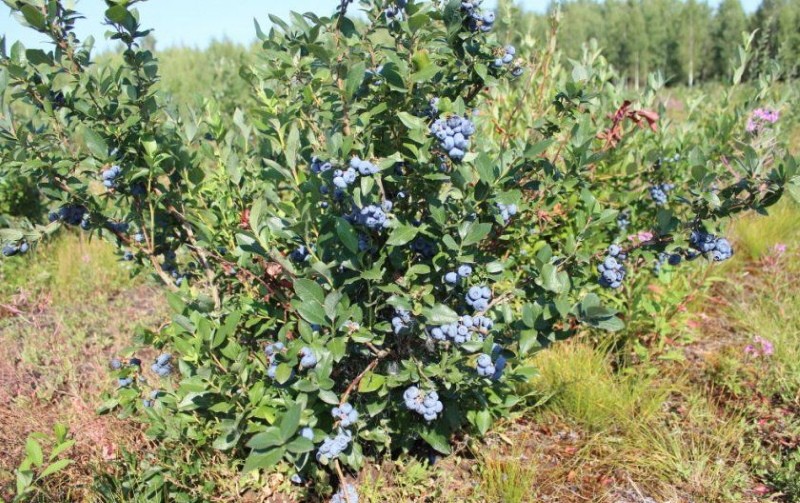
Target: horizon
[206, 21]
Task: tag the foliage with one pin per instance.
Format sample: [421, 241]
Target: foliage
[363, 177]
[35, 466]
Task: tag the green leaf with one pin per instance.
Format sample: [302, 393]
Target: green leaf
[94, 142]
[412, 122]
[483, 420]
[258, 460]
[347, 235]
[312, 313]
[271, 437]
[300, 445]
[290, 421]
[537, 148]
[528, 340]
[440, 315]
[354, 79]
[34, 17]
[34, 452]
[309, 291]
[117, 14]
[402, 234]
[553, 280]
[371, 382]
[55, 467]
[437, 440]
[477, 233]
[227, 439]
[292, 145]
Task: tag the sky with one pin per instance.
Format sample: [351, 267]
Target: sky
[195, 23]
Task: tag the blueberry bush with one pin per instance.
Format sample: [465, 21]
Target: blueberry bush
[360, 264]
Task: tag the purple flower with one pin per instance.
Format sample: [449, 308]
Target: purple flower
[766, 347]
[761, 117]
[761, 347]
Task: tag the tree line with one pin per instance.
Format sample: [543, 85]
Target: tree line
[687, 40]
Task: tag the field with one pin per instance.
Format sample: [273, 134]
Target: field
[680, 383]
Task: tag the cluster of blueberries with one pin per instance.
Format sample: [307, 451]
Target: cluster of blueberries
[170, 267]
[395, 12]
[371, 216]
[71, 214]
[506, 59]
[332, 447]
[463, 330]
[118, 227]
[717, 248]
[346, 414]
[272, 351]
[401, 320]
[348, 494]
[116, 364]
[163, 365]
[307, 358]
[478, 297]
[433, 108]
[453, 134]
[464, 271]
[662, 160]
[659, 193]
[476, 20]
[373, 77]
[485, 365]
[299, 255]
[425, 404]
[12, 249]
[111, 177]
[507, 211]
[488, 368]
[424, 247]
[612, 271]
[672, 259]
[508, 56]
[149, 402]
[624, 220]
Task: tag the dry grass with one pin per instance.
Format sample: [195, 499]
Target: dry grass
[57, 334]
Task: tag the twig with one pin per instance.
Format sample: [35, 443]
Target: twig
[370, 367]
[342, 482]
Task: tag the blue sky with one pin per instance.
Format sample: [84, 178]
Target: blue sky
[196, 22]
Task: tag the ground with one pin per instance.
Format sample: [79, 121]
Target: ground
[701, 407]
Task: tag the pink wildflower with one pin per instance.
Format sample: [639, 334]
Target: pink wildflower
[766, 347]
[759, 118]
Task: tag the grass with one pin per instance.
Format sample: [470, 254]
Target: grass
[65, 310]
[710, 424]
